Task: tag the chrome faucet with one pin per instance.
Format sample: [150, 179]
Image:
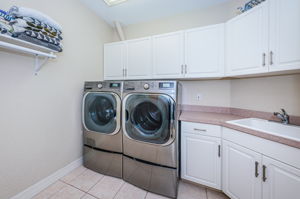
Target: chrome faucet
[285, 118]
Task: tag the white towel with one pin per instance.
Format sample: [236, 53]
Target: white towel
[28, 12]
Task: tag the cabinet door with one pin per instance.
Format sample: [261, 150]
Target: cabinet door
[204, 51]
[139, 59]
[200, 160]
[241, 172]
[247, 42]
[284, 35]
[282, 180]
[114, 61]
[168, 55]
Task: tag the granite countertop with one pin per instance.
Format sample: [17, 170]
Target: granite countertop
[221, 118]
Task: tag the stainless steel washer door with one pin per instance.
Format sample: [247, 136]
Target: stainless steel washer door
[101, 112]
[149, 118]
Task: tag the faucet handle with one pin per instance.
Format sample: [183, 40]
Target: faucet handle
[283, 111]
[276, 113]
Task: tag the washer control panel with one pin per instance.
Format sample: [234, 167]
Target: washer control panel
[150, 86]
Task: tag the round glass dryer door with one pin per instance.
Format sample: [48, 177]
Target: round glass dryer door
[101, 112]
[148, 117]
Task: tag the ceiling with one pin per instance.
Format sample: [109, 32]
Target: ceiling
[137, 11]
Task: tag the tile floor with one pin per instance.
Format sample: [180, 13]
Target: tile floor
[82, 183]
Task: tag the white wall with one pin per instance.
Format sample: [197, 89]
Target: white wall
[196, 18]
[267, 93]
[40, 116]
[212, 92]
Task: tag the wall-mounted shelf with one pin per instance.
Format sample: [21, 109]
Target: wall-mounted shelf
[10, 43]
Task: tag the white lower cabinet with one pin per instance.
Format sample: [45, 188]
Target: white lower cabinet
[256, 168]
[281, 180]
[250, 167]
[200, 157]
[241, 172]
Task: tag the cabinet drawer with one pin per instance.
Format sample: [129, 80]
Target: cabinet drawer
[201, 129]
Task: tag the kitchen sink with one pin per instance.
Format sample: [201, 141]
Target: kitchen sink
[270, 127]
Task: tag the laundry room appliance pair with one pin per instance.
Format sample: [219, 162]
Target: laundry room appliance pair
[131, 132]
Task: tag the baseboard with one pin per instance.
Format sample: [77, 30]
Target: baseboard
[42, 184]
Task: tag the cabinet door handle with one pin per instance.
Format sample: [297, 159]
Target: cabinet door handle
[264, 59]
[182, 69]
[256, 169]
[185, 69]
[219, 150]
[123, 72]
[271, 58]
[202, 130]
[264, 178]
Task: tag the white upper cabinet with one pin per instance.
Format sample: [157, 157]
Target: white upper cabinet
[247, 42]
[284, 35]
[168, 55]
[280, 180]
[204, 51]
[114, 55]
[139, 59]
[241, 172]
[264, 39]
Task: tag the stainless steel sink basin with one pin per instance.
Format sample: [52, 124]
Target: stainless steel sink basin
[273, 128]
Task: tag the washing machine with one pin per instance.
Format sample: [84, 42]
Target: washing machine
[150, 135]
[102, 128]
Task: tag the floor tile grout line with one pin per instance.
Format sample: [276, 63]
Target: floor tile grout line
[76, 188]
[47, 188]
[87, 192]
[96, 183]
[119, 189]
[85, 169]
[94, 186]
[146, 195]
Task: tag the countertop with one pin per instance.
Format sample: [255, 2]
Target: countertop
[221, 118]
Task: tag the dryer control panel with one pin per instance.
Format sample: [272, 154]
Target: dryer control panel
[150, 86]
[166, 85]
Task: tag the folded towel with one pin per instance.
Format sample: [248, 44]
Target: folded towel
[29, 23]
[27, 12]
[5, 15]
[39, 36]
[25, 37]
[5, 28]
